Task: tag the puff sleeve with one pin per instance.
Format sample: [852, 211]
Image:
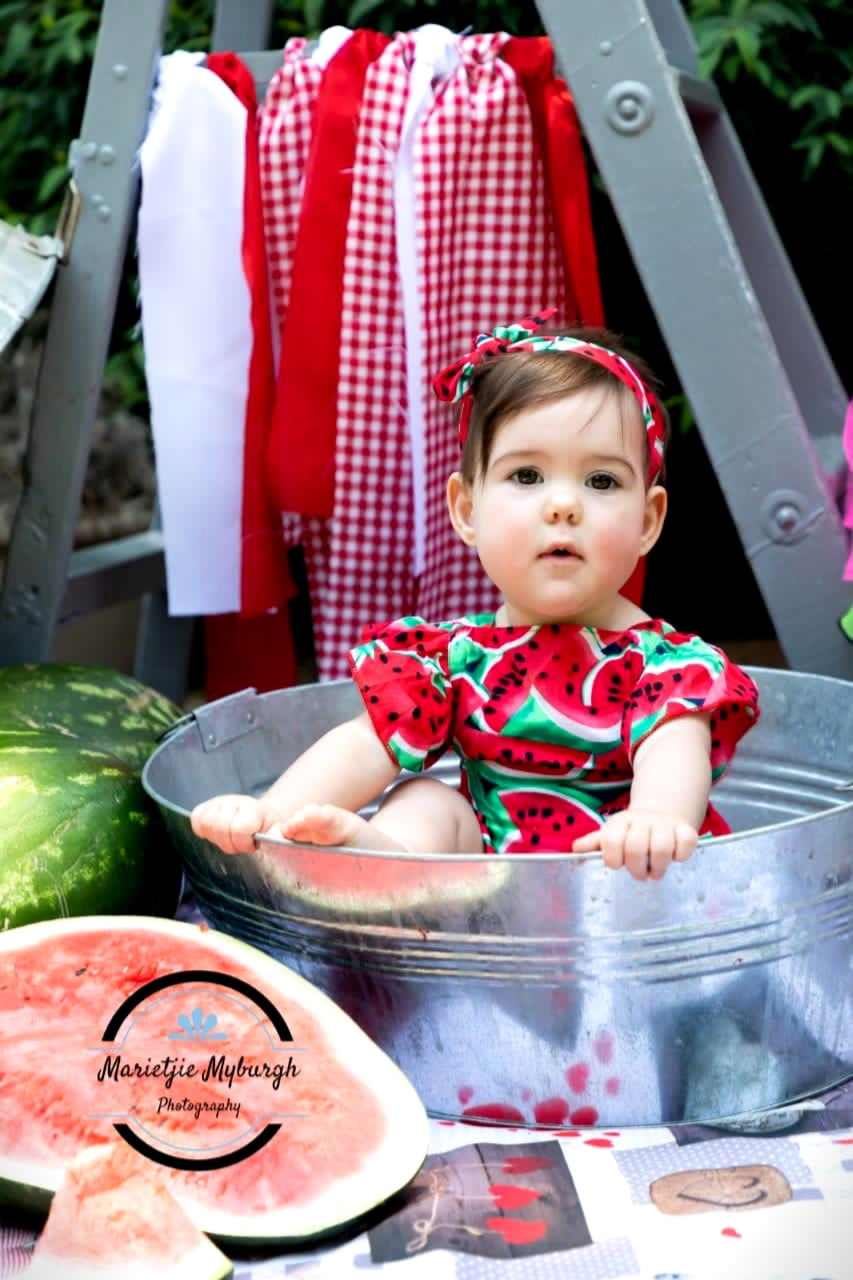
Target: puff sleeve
[401, 671]
[682, 675]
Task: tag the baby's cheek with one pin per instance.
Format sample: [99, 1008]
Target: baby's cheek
[618, 545]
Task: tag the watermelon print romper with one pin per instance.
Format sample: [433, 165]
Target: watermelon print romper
[545, 719]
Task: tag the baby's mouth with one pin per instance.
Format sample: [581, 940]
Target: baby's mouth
[558, 552]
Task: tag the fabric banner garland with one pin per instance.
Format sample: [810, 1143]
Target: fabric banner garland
[484, 187]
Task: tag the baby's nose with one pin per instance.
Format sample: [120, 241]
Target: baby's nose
[563, 503]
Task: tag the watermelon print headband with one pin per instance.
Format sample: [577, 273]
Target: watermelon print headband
[453, 384]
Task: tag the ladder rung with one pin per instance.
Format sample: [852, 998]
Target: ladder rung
[110, 572]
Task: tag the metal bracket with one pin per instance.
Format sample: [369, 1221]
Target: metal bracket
[69, 216]
[228, 718]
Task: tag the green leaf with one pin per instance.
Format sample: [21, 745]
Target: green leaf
[18, 42]
[814, 149]
[359, 10]
[313, 10]
[51, 182]
[748, 44]
[839, 143]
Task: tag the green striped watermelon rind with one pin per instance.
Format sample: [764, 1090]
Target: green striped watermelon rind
[97, 705]
[79, 835]
[386, 1171]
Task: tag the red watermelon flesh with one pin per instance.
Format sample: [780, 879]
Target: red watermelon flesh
[61, 983]
[112, 1215]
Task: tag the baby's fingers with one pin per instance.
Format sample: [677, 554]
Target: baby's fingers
[661, 848]
[590, 843]
[686, 840]
[612, 841]
[639, 842]
[228, 821]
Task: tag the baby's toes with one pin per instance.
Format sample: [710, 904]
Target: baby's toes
[321, 824]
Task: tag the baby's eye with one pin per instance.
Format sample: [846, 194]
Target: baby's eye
[602, 481]
[526, 476]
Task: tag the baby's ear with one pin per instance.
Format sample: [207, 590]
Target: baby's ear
[460, 504]
[653, 517]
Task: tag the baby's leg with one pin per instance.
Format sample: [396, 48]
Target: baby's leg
[420, 815]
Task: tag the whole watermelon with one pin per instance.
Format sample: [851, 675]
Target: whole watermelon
[78, 834]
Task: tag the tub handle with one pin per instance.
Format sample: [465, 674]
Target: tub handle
[228, 718]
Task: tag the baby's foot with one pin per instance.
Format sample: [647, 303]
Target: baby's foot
[327, 824]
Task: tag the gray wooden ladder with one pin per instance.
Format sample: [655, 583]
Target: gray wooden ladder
[768, 402]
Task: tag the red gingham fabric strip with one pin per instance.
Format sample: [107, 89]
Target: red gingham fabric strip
[284, 139]
[482, 194]
[486, 242]
[302, 437]
[359, 565]
[558, 136]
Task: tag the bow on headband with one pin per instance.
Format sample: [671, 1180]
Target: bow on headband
[453, 384]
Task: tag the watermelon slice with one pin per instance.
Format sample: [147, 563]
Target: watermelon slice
[112, 1216]
[351, 1129]
[347, 881]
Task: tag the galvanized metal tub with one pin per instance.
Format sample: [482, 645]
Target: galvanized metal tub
[545, 989]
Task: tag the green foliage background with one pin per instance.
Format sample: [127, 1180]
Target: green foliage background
[784, 67]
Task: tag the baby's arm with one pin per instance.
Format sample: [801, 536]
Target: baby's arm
[348, 767]
[669, 799]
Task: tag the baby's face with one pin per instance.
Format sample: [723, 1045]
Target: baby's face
[561, 513]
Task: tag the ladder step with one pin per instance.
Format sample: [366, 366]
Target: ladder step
[111, 572]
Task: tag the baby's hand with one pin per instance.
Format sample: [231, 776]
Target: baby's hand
[230, 822]
[645, 841]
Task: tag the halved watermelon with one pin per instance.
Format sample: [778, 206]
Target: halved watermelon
[113, 1218]
[352, 1131]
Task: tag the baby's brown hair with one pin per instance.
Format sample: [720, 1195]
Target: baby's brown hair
[519, 380]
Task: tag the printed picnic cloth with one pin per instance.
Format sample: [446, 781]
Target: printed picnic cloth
[688, 1203]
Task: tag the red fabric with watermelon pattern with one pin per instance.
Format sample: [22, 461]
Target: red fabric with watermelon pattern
[682, 675]
[405, 684]
[545, 719]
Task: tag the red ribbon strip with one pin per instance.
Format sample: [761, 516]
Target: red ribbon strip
[301, 448]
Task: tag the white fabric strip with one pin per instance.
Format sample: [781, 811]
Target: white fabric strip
[328, 44]
[196, 328]
[436, 58]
